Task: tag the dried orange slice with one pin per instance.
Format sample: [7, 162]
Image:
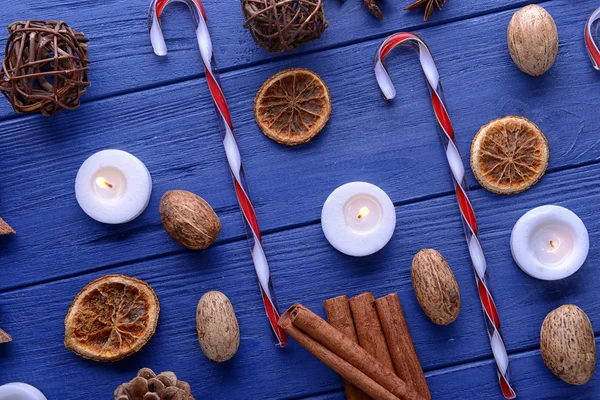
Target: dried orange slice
[111, 318]
[292, 106]
[509, 155]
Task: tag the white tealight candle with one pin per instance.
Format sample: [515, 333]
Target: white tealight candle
[549, 242]
[358, 218]
[113, 186]
[20, 391]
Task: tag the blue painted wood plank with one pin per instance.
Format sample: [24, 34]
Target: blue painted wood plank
[122, 56]
[56, 240]
[534, 380]
[306, 269]
[395, 145]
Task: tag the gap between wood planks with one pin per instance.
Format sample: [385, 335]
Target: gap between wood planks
[266, 232]
[290, 55]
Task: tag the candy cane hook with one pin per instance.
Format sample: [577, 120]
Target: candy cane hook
[231, 149]
[590, 44]
[460, 186]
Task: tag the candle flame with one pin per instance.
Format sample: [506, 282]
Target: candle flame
[100, 181]
[553, 244]
[363, 212]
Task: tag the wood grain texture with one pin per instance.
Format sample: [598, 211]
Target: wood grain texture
[159, 109]
[394, 145]
[122, 58]
[298, 259]
[527, 367]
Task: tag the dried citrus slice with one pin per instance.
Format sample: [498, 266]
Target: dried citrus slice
[292, 106]
[111, 318]
[509, 155]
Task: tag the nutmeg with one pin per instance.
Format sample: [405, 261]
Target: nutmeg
[567, 344]
[435, 287]
[532, 40]
[189, 219]
[217, 326]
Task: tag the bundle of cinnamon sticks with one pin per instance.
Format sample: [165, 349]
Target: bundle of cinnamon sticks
[366, 342]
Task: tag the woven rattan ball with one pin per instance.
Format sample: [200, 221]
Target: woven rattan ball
[45, 67]
[280, 25]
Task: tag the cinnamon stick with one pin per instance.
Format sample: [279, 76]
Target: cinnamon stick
[5, 337]
[343, 368]
[400, 343]
[340, 317]
[335, 341]
[368, 328]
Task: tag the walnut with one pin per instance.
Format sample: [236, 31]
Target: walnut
[189, 219]
[149, 386]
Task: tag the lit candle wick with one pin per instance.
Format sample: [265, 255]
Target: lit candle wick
[100, 181]
[363, 212]
[553, 244]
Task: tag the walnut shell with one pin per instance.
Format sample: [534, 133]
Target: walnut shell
[567, 344]
[189, 219]
[435, 287]
[217, 326]
[532, 40]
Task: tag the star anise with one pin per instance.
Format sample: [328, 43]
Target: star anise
[374, 8]
[428, 4]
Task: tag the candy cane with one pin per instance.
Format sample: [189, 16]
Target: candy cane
[460, 186]
[231, 148]
[592, 48]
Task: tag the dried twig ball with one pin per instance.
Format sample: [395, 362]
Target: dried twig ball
[149, 386]
[45, 67]
[280, 25]
[189, 219]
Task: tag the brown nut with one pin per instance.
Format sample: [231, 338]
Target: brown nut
[189, 219]
[532, 40]
[435, 287]
[151, 396]
[217, 326]
[567, 344]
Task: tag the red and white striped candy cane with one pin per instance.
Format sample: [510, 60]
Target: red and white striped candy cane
[231, 148]
[590, 44]
[460, 186]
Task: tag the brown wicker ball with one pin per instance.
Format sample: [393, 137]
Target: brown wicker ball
[280, 25]
[45, 67]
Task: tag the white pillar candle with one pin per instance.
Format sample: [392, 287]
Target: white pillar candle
[113, 186]
[358, 218]
[549, 242]
[20, 391]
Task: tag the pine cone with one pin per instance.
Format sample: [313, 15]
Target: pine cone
[149, 386]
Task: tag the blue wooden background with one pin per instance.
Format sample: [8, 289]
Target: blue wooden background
[159, 109]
